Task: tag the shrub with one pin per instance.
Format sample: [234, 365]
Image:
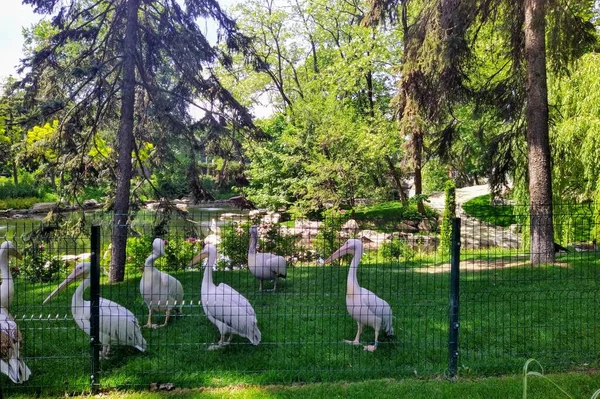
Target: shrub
[39, 266]
[23, 190]
[234, 242]
[138, 249]
[279, 244]
[18, 203]
[396, 249]
[178, 253]
[326, 240]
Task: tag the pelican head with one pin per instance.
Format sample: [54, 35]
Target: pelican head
[81, 272]
[208, 251]
[158, 247]
[352, 247]
[11, 249]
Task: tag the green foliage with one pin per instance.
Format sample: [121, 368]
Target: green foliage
[18, 203]
[435, 175]
[392, 210]
[138, 249]
[278, 243]
[327, 239]
[483, 209]
[172, 184]
[575, 141]
[178, 253]
[8, 190]
[235, 239]
[396, 249]
[449, 214]
[40, 265]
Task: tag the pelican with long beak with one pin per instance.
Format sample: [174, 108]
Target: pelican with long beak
[364, 306]
[226, 308]
[7, 287]
[118, 325]
[264, 265]
[161, 291]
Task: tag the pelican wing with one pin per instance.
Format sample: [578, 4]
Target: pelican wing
[378, 308]
[231, 308]
[119, 326]
[173, 287]
[234, 297]
[10, 346]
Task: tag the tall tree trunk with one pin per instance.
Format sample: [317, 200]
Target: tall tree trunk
[538, 142]
[397, 178]
[125, 147]
[418, 165]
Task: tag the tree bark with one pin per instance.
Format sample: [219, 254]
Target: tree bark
[418, 164]
[538, 142]
[125, 146]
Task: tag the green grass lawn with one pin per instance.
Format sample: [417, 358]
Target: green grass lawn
[577, 385]
[510, 312]
[482, 209]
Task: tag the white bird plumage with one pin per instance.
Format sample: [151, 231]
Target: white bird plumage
[364, 306]
[226, 308]
[264, 265]
[161, 291]
[7, 287]
[11, 362]
[117, 324]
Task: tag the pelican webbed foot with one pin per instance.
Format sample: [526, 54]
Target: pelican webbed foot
[371, 348]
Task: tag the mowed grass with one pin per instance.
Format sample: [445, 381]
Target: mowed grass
[510, 311]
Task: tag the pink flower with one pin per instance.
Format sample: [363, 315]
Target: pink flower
[41, 246]
[342, 210]
[192, 239]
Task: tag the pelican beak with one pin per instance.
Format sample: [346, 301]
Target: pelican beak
[15, 253]
[203, 254]
[343, 250]
[74, 276]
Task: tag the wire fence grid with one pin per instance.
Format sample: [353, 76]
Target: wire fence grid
[489, 318]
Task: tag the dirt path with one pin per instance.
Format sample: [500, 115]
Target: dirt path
[474, 233]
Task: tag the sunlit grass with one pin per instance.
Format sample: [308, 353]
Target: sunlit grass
[508, 314]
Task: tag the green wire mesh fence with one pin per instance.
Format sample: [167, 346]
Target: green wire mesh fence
[509, 310]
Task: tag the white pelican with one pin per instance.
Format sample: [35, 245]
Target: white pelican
[363, 305]
[226, 308]
[11, 362]
[264, 265]
[161, 292]
[7, 287]
[117, 324]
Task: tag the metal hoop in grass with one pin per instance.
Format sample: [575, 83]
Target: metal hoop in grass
[527, 373]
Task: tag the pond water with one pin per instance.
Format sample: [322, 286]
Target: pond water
[201, 220]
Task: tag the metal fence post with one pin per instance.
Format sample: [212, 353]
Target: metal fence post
[454, 297]
[95, 309]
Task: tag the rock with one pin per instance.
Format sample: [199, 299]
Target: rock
[373, 236]
[427, 225]
[407, 228]
[271, 218]
[232, 216]
[182, 207]
[152, 206]
[90, 203]
[43, 207]
[350, 225]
